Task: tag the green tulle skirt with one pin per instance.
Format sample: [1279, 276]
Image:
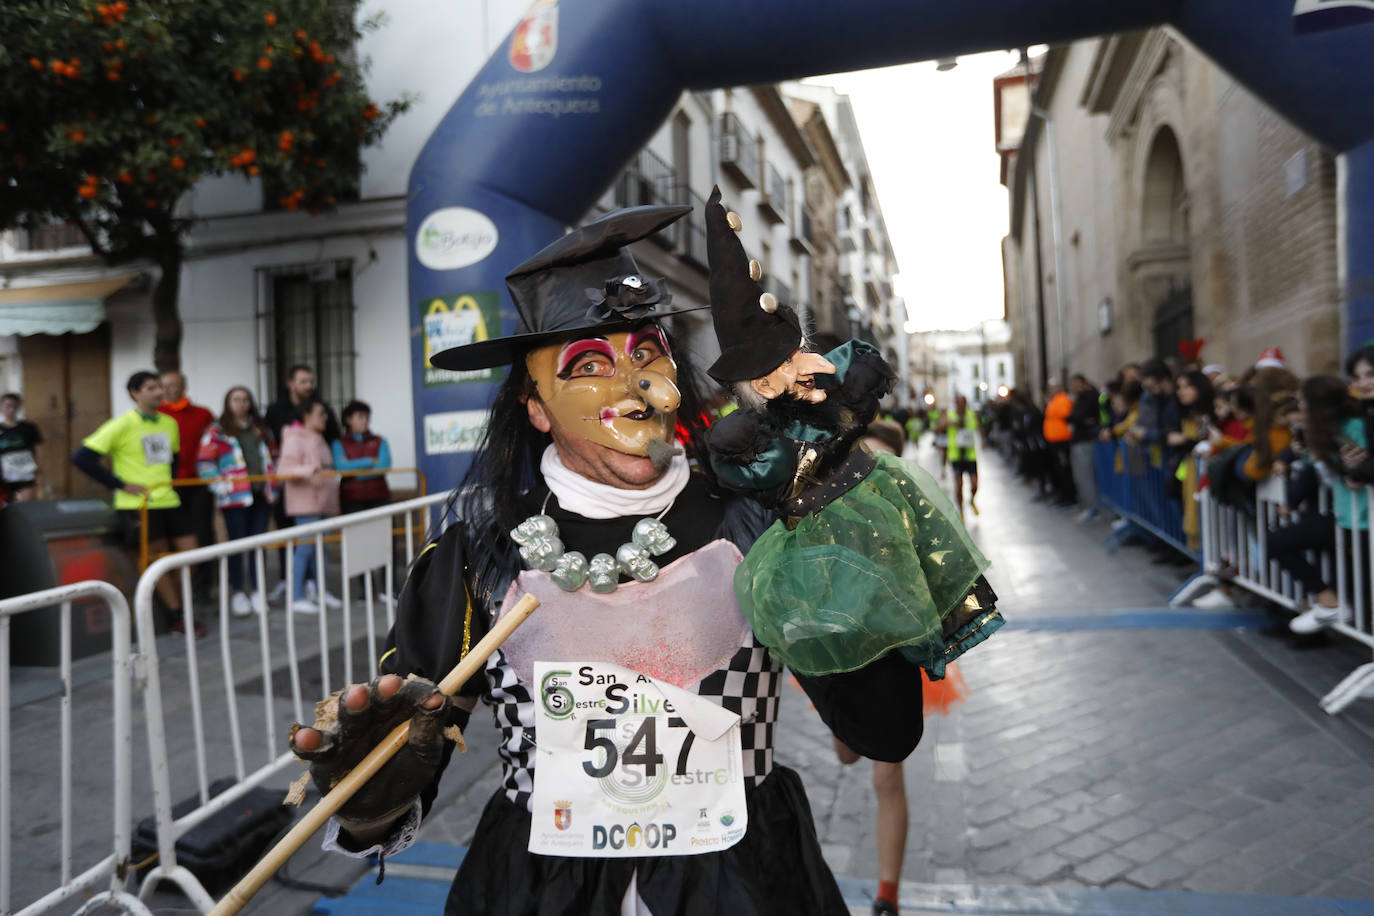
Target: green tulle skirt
[878, 569]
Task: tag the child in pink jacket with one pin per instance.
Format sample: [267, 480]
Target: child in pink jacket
[311, 496]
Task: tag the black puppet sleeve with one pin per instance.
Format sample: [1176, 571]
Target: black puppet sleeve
[876, 711]
[436, 626]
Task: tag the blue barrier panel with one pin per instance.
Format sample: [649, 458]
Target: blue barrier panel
[1136, 484]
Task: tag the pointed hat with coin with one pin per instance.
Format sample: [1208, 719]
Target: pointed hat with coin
[756, 333]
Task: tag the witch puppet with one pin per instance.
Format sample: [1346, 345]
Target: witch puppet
[868, 557]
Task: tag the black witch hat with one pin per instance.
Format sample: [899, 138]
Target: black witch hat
[756, 333]
[586, 281]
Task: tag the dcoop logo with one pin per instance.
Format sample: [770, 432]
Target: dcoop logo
[454, 237]
[650, 836]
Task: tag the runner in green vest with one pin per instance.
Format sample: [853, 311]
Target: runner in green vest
[962, 429]
[938, 422]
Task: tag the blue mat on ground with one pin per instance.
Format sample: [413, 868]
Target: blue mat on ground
[1143, 618]
[417, 881]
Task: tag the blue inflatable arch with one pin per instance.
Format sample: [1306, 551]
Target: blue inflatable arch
[582, 84]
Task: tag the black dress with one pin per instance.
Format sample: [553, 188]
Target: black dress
[776, 868]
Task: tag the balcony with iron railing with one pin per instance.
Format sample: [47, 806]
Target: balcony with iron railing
[649, 180]
[739, 151]
[773, 201]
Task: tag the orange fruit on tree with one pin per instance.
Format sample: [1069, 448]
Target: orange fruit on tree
[87, 191]
[178, 163]
[270, 18]
[264, 63]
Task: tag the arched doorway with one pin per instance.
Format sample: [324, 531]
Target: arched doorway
[1161, 262]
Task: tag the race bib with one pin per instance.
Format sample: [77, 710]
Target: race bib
[157, 449]
[629, 766]
[964, 438]
[17, 467]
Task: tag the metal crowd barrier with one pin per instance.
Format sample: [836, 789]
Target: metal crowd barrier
[1135, 484]
[74, 816]
[144, 558]
[257, 674]
[1235, 551]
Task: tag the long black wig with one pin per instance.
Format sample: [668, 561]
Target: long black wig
[505, 466]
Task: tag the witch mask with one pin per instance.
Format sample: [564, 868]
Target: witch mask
[618, 390]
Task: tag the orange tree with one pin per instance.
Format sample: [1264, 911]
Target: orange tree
[111, 112]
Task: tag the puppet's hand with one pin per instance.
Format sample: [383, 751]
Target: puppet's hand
[867, 380]
[738, 438]
[364, 715]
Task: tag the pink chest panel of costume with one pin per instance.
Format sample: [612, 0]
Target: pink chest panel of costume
[679, 628]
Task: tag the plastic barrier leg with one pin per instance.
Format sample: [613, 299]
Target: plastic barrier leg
[1199, 583]
[1349, 690]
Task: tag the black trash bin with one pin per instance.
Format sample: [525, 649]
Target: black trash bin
[46, 543]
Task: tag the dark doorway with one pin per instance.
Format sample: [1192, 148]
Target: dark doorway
[1173, 321]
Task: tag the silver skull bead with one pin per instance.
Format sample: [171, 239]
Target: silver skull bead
[542, 554]
[534, 528]
[603, 573]
[652, 534]
[634, 560]
[571, 572]
[540, 547]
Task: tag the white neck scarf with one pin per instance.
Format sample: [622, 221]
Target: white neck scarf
[597, 500]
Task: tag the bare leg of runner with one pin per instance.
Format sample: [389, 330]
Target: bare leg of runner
[890, 787]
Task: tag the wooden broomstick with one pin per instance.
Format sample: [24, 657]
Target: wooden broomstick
[315, 818]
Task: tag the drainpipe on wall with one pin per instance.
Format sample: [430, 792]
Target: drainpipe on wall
[1057, 231]
[1043, 347]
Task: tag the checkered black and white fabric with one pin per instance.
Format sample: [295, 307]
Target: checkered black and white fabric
[750, 686]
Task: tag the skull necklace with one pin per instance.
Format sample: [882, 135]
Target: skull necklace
[541, 548]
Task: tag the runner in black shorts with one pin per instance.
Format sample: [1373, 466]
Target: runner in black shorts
[163, 525]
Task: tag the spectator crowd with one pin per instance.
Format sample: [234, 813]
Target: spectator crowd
[171, 464]
[1198, 427]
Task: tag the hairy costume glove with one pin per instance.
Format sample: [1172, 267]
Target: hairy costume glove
[346, 740]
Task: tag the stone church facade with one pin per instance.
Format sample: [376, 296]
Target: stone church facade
[1154, 200]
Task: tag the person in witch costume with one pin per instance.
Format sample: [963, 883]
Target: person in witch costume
[580, 495]
[867, 556]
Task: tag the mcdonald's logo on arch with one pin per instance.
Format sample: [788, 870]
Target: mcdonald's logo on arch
[455, 321]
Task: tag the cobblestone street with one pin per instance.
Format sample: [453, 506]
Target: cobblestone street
[1109, 742]
[1113, 756]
